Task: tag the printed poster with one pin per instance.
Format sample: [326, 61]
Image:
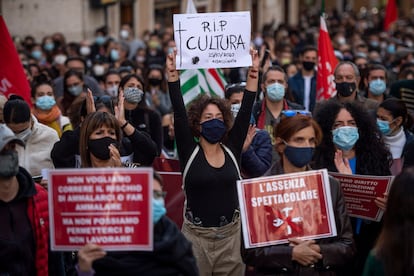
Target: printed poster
[212, 40]
[276, 208]
[360, 192]
[111, 207]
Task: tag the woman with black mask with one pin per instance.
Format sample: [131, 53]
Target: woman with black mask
[210, 171]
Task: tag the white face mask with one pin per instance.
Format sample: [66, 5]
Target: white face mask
[124, 34]
[112, 91]
[235, 109]
[98, 70]
[60, 59]
[85, 51]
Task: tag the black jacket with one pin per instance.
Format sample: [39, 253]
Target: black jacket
[66, 151]
[172, 255]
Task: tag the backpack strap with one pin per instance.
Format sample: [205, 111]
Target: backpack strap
[187, 166]
[234, 160]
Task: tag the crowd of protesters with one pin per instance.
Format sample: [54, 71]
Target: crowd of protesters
[114, 100]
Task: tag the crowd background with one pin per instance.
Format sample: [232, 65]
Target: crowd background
[70, 79]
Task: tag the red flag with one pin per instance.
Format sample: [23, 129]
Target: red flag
[327, 61]
[391, 14]
[12, 77]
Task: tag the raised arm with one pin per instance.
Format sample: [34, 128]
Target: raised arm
[241, 124]
[183, 135]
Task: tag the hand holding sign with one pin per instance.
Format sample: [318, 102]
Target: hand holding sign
[212, 40]
[172, 73]
[304, 254]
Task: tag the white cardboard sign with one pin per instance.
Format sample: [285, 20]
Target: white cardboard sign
[212, 40]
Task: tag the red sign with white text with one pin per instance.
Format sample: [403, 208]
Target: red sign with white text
[276, 208]
[111, 207]
[360, 192]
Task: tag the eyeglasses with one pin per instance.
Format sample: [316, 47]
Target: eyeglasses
[294, 112]
[159, 194]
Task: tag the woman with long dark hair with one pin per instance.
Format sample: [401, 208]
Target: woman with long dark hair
[137, 111]
[393, 254]
[352, 144]
[394, 122]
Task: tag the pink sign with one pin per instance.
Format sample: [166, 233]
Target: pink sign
[276, 208]
[110, 207]
[360, 192]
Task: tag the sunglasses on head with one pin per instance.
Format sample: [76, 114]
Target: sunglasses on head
[294, 112]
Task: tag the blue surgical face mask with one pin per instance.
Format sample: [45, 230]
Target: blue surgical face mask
[384, 127]
[100, 40]
[377, 87]
[158, 209]
[213, 130]
[37, 54]
[45, 102]
[75, 90]
[298, 156]
[275, 92]
[49, 46]
[114, 54]
[345, 137]
[391, 49]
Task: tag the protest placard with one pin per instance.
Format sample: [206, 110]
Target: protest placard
[110, 207]
[170, 171]
[360, 192]
[276, 208]
[212, 40]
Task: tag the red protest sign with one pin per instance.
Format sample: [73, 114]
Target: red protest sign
[170, 171]
[276, 208]
[360, 192]
[110, 207]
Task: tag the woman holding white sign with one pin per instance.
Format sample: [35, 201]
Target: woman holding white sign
[296, 138]
[210, 171]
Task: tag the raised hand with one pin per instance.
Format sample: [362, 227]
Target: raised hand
[253, 73]
[342, 164]
[90, 103]
[172, 73]
[249, 137]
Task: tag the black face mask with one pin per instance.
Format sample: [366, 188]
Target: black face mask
[99, 147]
[9, 164]
[345, 89]
[154, 81]
[308, 65]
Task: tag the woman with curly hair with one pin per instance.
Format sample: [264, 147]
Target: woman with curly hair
[352, 144]
[210, 170]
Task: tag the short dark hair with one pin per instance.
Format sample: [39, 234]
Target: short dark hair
[234, 88]
[16, 110]
[274, 68]
[69, 59]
